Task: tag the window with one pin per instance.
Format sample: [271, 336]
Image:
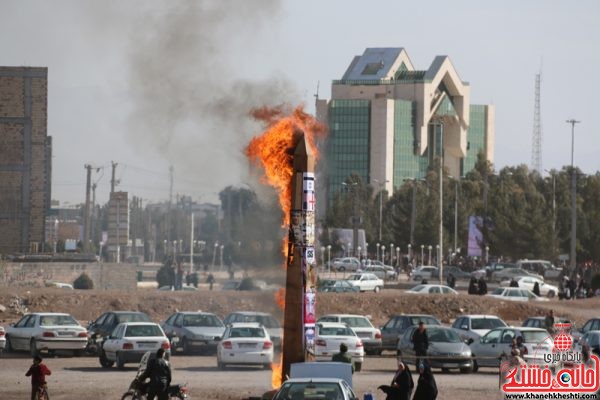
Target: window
[507, 336]
[143, 331]
[492, 337]
[23, 321]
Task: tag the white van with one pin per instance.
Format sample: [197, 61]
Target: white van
[540, 267]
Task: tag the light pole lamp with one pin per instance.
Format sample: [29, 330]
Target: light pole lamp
[487, 254]
[329, 258]
[572, 258]
[409, 252]
[397, 256]
[429, 258]
[381, 185]
[377, 245]
[359, 249]
[366, 250]
[382, 254]
[391, 254]
[422, 254]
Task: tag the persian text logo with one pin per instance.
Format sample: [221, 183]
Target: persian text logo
[563, 372]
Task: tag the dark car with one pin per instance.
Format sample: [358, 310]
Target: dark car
[591, 325]
[397, 324]
[102, 327]
[540, 322]
[338, 287]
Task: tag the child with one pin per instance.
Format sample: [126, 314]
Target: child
[38, 372]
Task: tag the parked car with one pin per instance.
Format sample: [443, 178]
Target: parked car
[540, 267]
[424, 272]
[397, 324]
[591, 339]
[103, 326]
[489, 349]
[2, 339]
[340, 286]
[540, 322]
[515, 294]
[475, 326]
[362, 326]
[47, 331]
[329, 336]
[431, 289]
[455, 271]
[528, 282]
[366, 282]
[443, 342]
[379, 271]
[193, 330]
[267, 320]
[315, 388]
[592, 324]
[346, 264]
[130, 341]
[245, 343]
[231, 285]
[509, 273]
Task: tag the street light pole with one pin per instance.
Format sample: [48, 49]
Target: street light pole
[456, 215]
[422, 255]
[329, 259]
[381, 185]
[573, 261]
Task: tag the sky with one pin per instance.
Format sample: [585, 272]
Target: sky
[149, 84]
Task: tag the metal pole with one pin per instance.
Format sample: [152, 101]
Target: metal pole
[380, 210]
[192, 246]
[573, 255]
[413, 213]
[441, 232]
[456, 216]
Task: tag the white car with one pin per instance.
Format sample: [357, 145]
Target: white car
[129, 341]
[270, 323]
[527, 282]
[366, 282]
[317, 388]
[380, 271]
[431, 289]
[362, 326]
[245, 343]
[329, 336]
[475, 326]
[515, 294]
[46, 331]
[423, 272]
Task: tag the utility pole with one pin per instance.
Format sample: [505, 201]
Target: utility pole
[573, 255]
[93, 215]
[192, 245]
[86, 217]
[168, 227]
[113, 182]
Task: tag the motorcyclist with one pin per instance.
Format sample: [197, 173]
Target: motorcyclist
[159, 372]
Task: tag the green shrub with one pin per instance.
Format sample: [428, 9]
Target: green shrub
[83, 281]
[165, 276]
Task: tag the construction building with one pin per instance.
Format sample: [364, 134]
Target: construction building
[25, 159]
[388, 121]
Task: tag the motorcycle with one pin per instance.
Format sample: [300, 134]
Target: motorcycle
[138, 390]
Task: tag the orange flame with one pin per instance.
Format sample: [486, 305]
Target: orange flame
[276, 376]
[280, 298]
[273, 149]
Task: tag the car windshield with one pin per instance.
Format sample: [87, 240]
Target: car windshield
[442, 335]
[486, 323]
[57, 320]
[265, 320]
[142, 330]
[498, 291]
[534, 336]
[358, 322]
[201, 320]
[247, 332]
[417, 288]
[310, 390]
[426, 320]
[133, 317]
[354, 277]
[335, 331]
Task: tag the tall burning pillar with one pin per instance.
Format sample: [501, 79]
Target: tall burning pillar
[299, 315]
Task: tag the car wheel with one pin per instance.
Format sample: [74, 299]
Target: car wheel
[377, 289]
[104, 361]
[466, 370]
[120, 362]
[551, 294]
[357, 366]
[185, 345]
[9, 348]
[342, 269]
[33, 348]
[475, 365]
[446, 370]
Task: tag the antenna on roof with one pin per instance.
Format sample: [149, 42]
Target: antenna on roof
[317, 93]
[536, 145]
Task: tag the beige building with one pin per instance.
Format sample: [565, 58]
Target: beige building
[25, 158]
[388, 121]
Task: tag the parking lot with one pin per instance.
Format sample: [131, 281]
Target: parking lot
[77, 378]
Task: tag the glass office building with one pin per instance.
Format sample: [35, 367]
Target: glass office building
[388, 121]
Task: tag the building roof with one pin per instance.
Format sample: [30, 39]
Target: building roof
[374, 64]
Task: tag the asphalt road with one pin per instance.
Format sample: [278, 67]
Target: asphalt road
[83, 378]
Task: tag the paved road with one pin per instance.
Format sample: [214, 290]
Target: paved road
[83, 378]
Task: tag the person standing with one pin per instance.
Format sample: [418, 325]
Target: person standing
[420, 342]
[343, 356]
[426, 386]
[549, 322]
[159, 372]
[536, 289]
[403, 381]
[473, 289]
[482, 286]
[38, 372]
